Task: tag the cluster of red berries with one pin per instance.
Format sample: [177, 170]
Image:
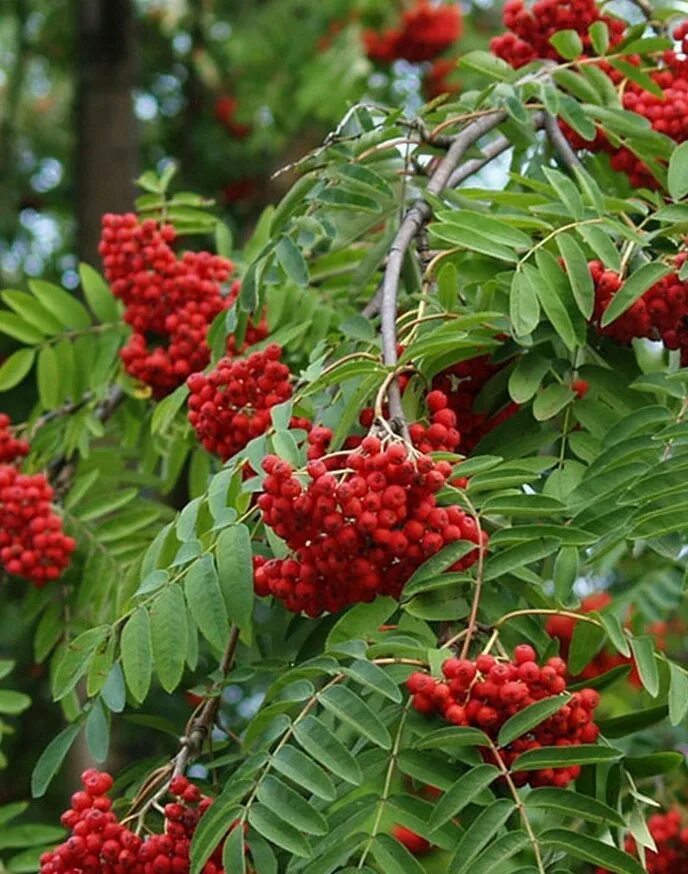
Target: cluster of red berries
[226, 107]
[11, 447]
[359, 531]
[671, 837]
[170, 302]
[661, 313]
[440, 79]
[100, 844]
[485, 693]
[231, 405]
[530, 29]
[424, 32]
[461, 384]
[32, 542]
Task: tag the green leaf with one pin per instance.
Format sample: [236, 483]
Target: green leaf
[19, 329]
[633, 288]
[548, 284]
[9, 812]
[277, 831]
[629, 723]
[292, 261]
[137, 656]
[599, 36]
[393, 857]
[452, 737]
[517, 556]
[482, 830]
[573, 804]
[585, 644]
[353, 711]
[204, 597]
[98, 732]
[13, 703]
[525, 378]
[357, 622]
[288, 805]
[654, 764]
[75, 660]
[97, 293]
[615, 633]
[435, 565]
[552, 400]
[215, 823]
[522, 722]
[578, 274]
[235, 571]
[677, 181]
[319, 741]
[591, 850]
[524, 307]
[643, 650]
[363, 175]
[47, 377]
[504, 847]
[568, 43]
[169, 632]
[463, 792]
[678, 694]
[374, 677]
[61, 304]
[562, 757]
[15, 367]
[234, 850]
[51, 759]
[297, 766]
[565, 572]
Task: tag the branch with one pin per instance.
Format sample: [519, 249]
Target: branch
[409, 228]
[201, 726]
[560, 144]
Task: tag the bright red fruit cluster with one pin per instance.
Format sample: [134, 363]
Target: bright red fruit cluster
[425, 31]
[11, 447]
[358, 531]
[660, 314]
[100, 844]
[530, 29]
[462, 383]
[170, 302]
[485, 693]
[231, 405]
[32, 542]
[671, 838]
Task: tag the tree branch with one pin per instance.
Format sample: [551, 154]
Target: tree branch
[201, 726]
[560, 144]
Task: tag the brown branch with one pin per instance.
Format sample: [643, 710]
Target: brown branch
[560, 144]
[201, 726]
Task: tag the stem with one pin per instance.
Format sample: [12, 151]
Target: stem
[382, 801]
[201, 726]
[560, 144]
[408, 229]
[582, 617]
[519, 804]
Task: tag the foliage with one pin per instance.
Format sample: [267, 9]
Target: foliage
[391, 271]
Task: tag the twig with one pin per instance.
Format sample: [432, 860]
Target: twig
[408, 229]
[560, 144]
[201, 726]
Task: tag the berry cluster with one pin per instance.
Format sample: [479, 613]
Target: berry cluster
[530, 29]
[231, 405]
[100, 844]
[32, 542]
[170, 302]
[671, 838]
[359, 531]
[425, 31]
[462, 383]
[11, 447]
[660, 314]
[486, 692]
[440, 79]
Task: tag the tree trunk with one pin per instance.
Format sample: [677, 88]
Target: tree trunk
[107, 142]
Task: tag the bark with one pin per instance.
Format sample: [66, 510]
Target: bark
[107, 142]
